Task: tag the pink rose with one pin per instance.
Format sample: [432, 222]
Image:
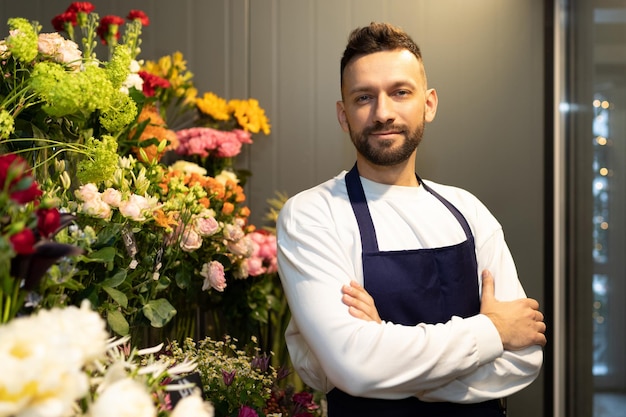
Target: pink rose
[242, 247]
[206, 226]
[213, 273]
[190, 240]
[255, 266]
[233, 232]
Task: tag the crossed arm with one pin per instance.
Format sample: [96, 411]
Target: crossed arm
[519, 322]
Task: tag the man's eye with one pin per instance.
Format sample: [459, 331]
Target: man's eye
[403, 93]
[362, 99]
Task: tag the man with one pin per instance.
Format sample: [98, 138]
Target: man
[383, 271]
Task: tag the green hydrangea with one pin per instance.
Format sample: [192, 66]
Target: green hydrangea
[61, 91]
[121, 112]
[102, 162]
[7, 124]
[70, 93]
[23, 41]
[118, 67]
[98, 89]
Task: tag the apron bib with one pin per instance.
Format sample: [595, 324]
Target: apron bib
[412, 287]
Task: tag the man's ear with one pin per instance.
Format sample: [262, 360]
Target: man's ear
[430, 105]
[341, 116]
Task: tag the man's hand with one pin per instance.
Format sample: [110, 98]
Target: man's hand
[360, 303]
[519, 322]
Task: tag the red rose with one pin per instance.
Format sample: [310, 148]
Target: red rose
[23, 242]
[27, 191]
[138, 15]
[22, 187]
[60, 21]
[81, 6]
[109, 28]
[48, 221]
[6, 162]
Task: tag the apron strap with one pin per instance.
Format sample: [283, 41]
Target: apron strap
[455, 211]
[356, 194]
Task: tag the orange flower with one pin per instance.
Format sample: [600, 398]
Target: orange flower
[205, 202]
[228, 208]
[164, 220]
[240, 197]
[155, 129]
[216, 188]
[244, 212]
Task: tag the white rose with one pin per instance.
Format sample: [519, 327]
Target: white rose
[97, 208]
[87, 192]
[193, 405]
[225, 175]
[112, 197]
[124, 398]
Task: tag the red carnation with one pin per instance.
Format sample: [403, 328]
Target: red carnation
[61, 21]
[108, 30]
[138, 15]
[23, 242]
[151, 82]
[81, 6]
[48, 221]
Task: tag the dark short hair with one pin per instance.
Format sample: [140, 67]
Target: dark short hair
[377, 37]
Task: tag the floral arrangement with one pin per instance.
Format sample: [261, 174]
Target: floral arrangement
[120, 191]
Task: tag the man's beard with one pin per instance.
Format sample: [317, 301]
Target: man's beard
[379, 152]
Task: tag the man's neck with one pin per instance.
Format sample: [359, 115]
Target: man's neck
[401, 174]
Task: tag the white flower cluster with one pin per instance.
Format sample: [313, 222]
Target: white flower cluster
[43, 358]
[63, 363]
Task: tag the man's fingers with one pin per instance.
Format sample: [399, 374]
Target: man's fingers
[488, 286]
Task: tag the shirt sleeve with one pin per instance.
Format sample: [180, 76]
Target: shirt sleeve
[330, 348]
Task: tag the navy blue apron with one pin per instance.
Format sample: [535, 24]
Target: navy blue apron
[411, 287]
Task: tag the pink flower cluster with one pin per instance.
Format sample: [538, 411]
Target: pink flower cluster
[263, 258]
[205, 141]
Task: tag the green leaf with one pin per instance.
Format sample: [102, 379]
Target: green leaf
[117, 322]
[115, 280]
[103, 255]
[159, 312]
[117, 296]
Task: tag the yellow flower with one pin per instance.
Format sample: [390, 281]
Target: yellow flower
[250, 116]
[214, 106]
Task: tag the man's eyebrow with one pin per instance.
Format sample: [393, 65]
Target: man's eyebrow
[393, 86]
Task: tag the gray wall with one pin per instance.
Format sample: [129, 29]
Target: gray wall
[485, 57]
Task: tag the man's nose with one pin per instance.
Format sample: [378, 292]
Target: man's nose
[383, 111]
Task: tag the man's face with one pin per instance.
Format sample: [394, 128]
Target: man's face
[385, 105]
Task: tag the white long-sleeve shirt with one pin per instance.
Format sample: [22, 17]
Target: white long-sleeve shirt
[319, 250]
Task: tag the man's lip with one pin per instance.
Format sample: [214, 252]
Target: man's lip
[386, 133]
